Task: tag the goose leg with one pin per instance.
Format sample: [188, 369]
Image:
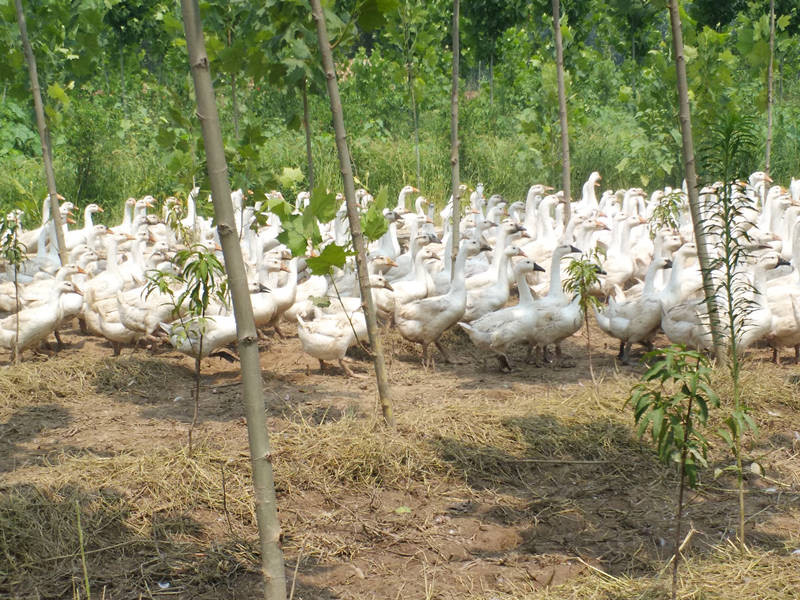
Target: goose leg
[321, 366]
[349, 371]
[117, 348]
[775, 358]
[626, 355]
[621, 353]
[797, 353]
[425, 355]
[505, 365]
[278, 331]
[59, 342]
[528, 354]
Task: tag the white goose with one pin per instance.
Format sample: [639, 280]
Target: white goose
[481, 301]
[35, 323]
[636, 320]
[499, 330]
[423, 321]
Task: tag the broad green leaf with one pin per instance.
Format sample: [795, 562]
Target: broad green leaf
[331, 256]
[323, 204]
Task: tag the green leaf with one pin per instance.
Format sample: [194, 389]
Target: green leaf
[323, 204]
[331, 256]
[290, 177]
[373, 223]
[293, 240]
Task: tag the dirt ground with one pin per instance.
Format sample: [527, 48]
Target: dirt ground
[531, 484]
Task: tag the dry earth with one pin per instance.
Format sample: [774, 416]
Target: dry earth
[523, 485]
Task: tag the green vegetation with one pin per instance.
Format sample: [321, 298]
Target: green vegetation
[119, 98]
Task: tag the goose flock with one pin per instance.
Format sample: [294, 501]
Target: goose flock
[649, 274]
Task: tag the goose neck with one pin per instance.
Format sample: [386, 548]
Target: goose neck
[525, 294]
[555, 274]
[458, 286]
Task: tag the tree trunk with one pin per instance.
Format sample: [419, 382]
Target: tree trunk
[562, 113]
[307, 129]
[260, 453]
[691, 179]
[410, 77]
[384, 392]
[454, 144]
[44, 132]
[770, 90]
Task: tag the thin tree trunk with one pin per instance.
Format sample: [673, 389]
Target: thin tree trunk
[679, 518]
[16, 302]
[44, 132]
[384, 392]
[770, 90]
[413, 97]
[454, 145]
[691, 179]
[562, 114]
[307, 128]
[260, 452]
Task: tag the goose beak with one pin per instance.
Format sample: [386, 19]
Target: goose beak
[521, 253]
[415, 190]
[79, 270]
[486, 248]
[284, 268]
[667, 265]
[391, 263]
[538, 267]
[574, 249]
[600, 271]
[262, 288]
[59, 196]
[100, 209]
[548, 188]
[782, 262]
[78, 290]
[70, 220]
[388, 286]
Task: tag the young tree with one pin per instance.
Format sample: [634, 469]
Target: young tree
[562, 112]
[384, 392]
[12, 250]
[690, 174]
[201, 278]
[770, 90]
[582, 277]
[454, 149]
[260, 453]
[672, 400]
[44, 132]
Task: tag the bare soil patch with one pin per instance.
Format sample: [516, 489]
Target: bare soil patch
[531, 484]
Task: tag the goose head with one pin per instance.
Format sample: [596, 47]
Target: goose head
[563, 249]
[383, 263]
[527, 265]
[380, 282]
